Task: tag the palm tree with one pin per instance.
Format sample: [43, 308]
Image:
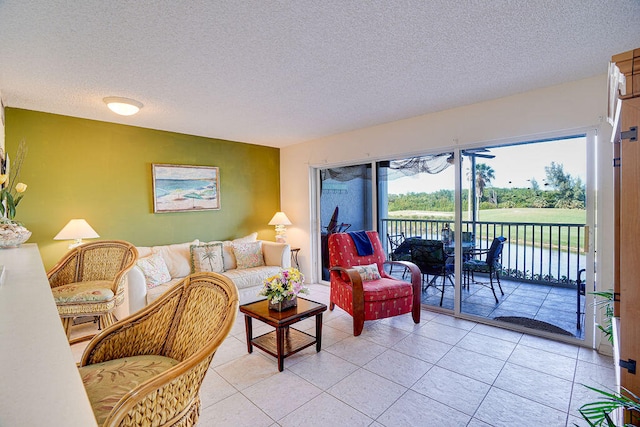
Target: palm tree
[484, 175]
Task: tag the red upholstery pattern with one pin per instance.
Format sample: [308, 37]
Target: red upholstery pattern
[385, 297]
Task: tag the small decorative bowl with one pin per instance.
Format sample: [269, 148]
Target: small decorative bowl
[13, 235]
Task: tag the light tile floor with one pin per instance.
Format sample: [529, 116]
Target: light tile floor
[441, 372]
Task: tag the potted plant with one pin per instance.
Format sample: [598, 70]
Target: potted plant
[598, 413]
[283, 288]
[12, 233]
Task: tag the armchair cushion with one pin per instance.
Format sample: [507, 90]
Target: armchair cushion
[107, 382]
[91, 291]
[368, 272]
[480, 266]
[207, 257]
[382, 298]
[155, 270]
[387, 289]
[248, 254]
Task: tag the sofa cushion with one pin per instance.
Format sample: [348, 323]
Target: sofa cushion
[207, 257]
[227, 250]
[154, 269]
[106, 383]
[251, 277]
[177, 257]
[248, 255]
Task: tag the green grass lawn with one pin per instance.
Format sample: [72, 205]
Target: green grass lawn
[537, 215]
[557, 239]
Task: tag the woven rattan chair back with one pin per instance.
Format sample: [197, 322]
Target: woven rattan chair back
[105, 260]
[187, 323]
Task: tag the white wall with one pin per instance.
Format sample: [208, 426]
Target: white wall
[575, 105]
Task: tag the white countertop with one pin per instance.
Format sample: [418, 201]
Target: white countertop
[39, 381]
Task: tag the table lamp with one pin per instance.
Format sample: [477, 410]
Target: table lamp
[76, 230]
[280, 220]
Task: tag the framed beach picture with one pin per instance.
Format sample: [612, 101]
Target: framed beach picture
[181, 188]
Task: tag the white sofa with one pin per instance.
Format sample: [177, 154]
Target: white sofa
[177, 257]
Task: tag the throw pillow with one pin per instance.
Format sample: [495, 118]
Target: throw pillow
[154, 269]
[368, 272]
[248, 254]
[227, 250]
[207, 258]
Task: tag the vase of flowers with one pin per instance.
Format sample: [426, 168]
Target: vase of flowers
[12, 233]
[282, 289]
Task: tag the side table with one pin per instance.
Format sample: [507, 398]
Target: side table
[284, 341]
[294, 257]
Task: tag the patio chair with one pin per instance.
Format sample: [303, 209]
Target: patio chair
[397, 252]
[147, 369]
[372, 294]
[491, 265]
[432, 260]
[394, 240]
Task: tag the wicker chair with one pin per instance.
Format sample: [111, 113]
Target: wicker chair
[90, 280]
[147, 369]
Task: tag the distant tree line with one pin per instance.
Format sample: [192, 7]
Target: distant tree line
[560, 191]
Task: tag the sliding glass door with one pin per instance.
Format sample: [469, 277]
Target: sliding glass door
[511, 223]
[416, 206]
[345, 204]
[530, 197]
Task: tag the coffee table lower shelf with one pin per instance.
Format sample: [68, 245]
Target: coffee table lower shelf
[294, 341]
[285, 340]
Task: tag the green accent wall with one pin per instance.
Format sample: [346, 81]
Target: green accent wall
[78, 168]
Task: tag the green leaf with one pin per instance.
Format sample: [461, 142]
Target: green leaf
[597, 413]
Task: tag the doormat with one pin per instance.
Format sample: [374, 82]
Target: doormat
[534, 324]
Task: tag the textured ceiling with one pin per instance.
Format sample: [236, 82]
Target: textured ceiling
[282, 72]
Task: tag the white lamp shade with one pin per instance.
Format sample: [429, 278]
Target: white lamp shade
[76, 229]
[280, 219]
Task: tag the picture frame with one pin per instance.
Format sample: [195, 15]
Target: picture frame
[185, 188]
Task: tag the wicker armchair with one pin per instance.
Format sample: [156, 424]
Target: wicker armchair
[90, 280]
[147, 369]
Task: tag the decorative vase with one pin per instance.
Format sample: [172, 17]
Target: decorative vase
[12, 234]
[284, 304]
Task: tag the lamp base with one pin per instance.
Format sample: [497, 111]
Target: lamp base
[75, 244]
[281, 234]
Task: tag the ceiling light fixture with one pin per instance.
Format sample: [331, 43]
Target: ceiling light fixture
[122, 106]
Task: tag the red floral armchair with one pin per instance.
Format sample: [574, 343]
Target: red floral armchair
[373, 298]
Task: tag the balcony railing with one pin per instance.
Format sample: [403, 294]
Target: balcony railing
[534, 252]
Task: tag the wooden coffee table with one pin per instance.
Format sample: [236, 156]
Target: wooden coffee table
[284, 341]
